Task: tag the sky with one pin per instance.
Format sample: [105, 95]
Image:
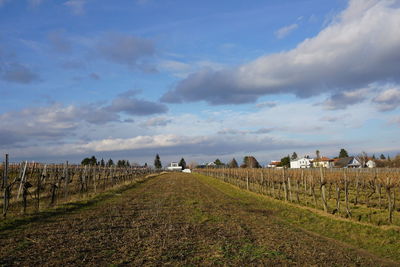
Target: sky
[200, 80]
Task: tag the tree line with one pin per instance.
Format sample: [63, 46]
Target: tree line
[92, 161]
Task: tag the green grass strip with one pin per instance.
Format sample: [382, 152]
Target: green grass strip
[377, 240]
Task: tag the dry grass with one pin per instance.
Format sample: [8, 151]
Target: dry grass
[174, 219]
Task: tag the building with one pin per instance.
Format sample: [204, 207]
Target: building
[273, 164]
[211, 164]
[370, 164]
[301, 163]
[323, 162]
[174, 166]
[348, 162]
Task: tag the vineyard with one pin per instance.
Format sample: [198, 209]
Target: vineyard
[181, 219]
[29, 187]
[366, 195]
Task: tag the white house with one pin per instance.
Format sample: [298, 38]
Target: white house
[323, 162]
[211, 164]
[370, 164]
[348, 162]
[174, 167]
[304, 162]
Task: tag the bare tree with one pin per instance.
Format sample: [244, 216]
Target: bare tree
[363, 157]
[192, 165]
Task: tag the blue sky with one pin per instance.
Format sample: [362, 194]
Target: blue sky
[198, 79]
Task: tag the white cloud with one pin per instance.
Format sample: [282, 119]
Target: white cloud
[359, 48]
[285, 31]
[388, 99]
[182, 70]
[58, 121]
[139, 142]
[342, 100]
[157, 121]
[129, 104]
[290, 126]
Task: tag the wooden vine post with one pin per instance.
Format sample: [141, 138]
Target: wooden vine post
[262, 182]
[285, 189]
[346, 193]
[337, 195]
[247, 179]
[26, 186]
[289, 188]
[66, 182]
[312, 188]
[39, 185]
[5, 187]
[22, 180]
[357, 188]
[298, 187]
[323, 190]
[390, 199]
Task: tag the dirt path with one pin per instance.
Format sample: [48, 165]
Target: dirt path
[173, 219]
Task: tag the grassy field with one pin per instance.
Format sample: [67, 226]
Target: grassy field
[191, 220]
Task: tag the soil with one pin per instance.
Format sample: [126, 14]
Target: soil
[173, 219]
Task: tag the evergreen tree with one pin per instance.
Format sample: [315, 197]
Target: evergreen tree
[343, 153]
[85, 161]
[93, 161]
[182, 163]
[285, 162]
[157, 162]
[294, 156]
[218, 162]
[250, 162]
[233, 163]
[110, 162]
[382, 157]
[89, 161]
[102, 163]
[318, 154]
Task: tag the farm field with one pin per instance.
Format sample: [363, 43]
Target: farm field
[192, 219]
[362, 195]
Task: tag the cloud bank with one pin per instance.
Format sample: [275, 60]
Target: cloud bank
[57, 121]
[358, 48]
[388, 100]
